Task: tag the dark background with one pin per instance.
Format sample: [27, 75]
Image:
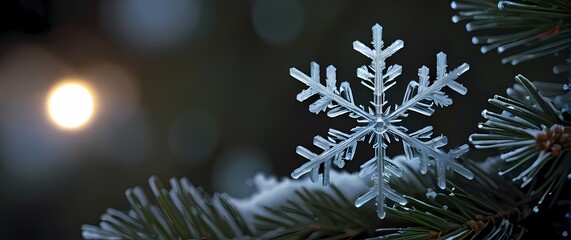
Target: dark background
[199, 89]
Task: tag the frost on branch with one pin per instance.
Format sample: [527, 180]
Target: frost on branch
[378, 123]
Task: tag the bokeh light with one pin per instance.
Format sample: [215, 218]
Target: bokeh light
[149, 25]
[34, 154]
[121, 121]
[134, 133]
[192, 136]
[237, 167]
[277, 22]
[70, 104]
[118, 92]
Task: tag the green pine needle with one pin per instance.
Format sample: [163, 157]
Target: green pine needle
[532, 137]
[524, 29]
[318, 215]
[486, 208]
[183, 212]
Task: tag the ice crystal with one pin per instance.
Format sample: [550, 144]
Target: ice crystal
[380, 122]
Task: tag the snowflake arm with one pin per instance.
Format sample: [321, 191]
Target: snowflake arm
[378, 122]
[328, 154]
[432, 93]
[430, 150]
[378, 56]
[328, 93]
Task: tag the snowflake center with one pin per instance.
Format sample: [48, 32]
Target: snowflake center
[380, 125]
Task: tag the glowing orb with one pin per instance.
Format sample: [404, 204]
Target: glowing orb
[70, 105]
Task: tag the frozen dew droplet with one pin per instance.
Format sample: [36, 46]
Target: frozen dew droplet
[535, 209]
[430, 193]
[381, 215]
[501, 5]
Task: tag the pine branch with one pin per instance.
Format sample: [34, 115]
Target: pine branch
[527, 28]
[183, 212]
[486, 208]
[532, 137]
[319, 215]
[558, 94]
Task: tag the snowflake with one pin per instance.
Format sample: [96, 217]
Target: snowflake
[380, 122]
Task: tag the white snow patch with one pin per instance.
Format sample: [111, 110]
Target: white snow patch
[271, 192]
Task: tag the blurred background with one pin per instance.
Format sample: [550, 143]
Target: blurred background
[198, 89]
